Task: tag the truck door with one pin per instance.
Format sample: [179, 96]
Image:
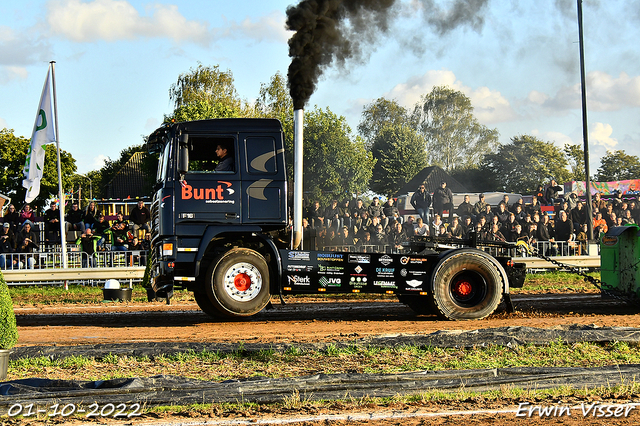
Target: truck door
[263, 179]
[206, 194]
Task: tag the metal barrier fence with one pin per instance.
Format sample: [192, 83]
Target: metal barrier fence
[75, 259]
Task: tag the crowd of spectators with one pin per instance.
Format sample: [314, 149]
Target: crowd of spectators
[88, 228]
[559, 222]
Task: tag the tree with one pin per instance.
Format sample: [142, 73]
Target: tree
[379, 114]
[274, 101]
[454, 136]
[526, 162]
[618, 165]
[339, 163]
[400, 154]
[13, 154]
[206, 92]
[575, 156]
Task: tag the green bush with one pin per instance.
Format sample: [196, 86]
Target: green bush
[8, 327]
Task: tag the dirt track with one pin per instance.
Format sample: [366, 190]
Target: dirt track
[297, 322]
[313, 321]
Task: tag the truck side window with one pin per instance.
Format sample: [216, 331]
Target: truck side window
[261, 155]
[206, 155]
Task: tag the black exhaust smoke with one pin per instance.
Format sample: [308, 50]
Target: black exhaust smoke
[328, 31]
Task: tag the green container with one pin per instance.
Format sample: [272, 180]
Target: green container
[619, 256]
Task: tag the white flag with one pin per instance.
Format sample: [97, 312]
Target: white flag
[43, 133]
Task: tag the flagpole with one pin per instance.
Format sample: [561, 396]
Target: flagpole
[63, 236]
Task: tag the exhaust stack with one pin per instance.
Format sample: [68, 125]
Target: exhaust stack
[298, 124]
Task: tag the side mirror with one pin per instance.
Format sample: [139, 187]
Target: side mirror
[183, 159]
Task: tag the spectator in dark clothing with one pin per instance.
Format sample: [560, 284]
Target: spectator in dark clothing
[443, 200]
[564, 232]
[344, 214]
[88, 243]
[358, 209]
[505, 201]
[545, 230]
[390, 212]
[331, 215]
[102, 230]
[579, 215]
[599, 203]
[380, 238]
[75, 219]
[535, 206]
[119, 229]
[495, 234]
[375, 209]
[520, 203]
[455, 228]
[26, 242]
[52, 223]
[421, 202]
[465, 208]
[90, 215]
[12, 217]
[467, 227]
[519, 213]
[551, 193]
[539, 193]
[487, 214]
[315, 214]
[140, 217]
[518, 234]
[502, 213]
[481, 234]
[7, 247]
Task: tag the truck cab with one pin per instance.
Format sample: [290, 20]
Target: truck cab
[199, 210]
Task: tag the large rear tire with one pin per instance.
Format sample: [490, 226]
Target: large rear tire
[467, 285]
[421, 305]
[238, 283]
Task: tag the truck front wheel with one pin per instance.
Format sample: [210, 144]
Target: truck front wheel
[238, 283]
[466, 285]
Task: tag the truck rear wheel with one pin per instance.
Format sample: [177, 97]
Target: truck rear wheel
[466, 285]
[238, 283]
[421, 305]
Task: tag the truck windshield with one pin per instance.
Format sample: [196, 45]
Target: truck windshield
[164, 163]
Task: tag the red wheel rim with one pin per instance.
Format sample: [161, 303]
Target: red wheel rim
[463, 288]
[242, 282]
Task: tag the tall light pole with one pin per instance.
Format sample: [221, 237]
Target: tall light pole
[585, 129]
[90, 185]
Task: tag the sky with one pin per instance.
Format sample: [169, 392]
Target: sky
[517, 61]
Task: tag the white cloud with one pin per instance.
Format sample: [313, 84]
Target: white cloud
[600, 134]
[604, 93]
[489, 106]
[113, 20]
[3, 123]
[98, 162]
[270, 27]
[18, 50]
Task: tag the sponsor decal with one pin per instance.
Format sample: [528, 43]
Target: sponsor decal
[330, 282]
[296, 268]
[299, 255]
[358, 269]
[386, 260]
[385, 284]
[414, 283]
[403, 272]
[211, 195]
[385, 272]
[418, 260]
[359, 258]
[609, 240]
[358, 281]
[416, 273]
[330, 270]
[404, 260]
[299, 280]
[330, 256]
